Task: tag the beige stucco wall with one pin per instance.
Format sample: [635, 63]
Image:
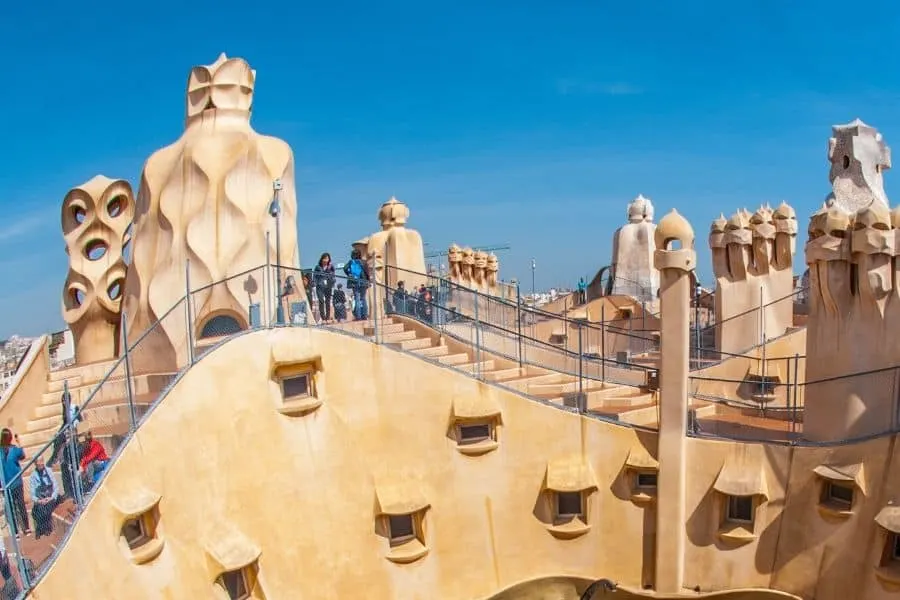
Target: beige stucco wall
[302, 490]
[25, 393]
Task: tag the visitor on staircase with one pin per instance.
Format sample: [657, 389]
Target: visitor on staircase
[358, 281]
[93, 461]
[323, 278]
[401, 299]
[62, 453]
[339, 299]
[45, 497]
[12, 456]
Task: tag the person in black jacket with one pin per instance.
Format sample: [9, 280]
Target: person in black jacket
[323, 280]
[340, 303]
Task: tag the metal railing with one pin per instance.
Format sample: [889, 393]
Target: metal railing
[767, 404]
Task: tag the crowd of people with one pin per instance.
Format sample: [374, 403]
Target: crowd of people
[81, 462]
[330, 303]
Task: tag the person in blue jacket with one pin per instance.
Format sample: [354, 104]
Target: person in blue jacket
[12, 456]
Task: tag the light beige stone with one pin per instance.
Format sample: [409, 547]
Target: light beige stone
[206, 199]
[632, 269]
[95, 220]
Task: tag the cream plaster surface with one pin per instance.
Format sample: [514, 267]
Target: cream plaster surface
[218, 451]
[222, 457]
[30, 383]
[203, 211]
[633, 271]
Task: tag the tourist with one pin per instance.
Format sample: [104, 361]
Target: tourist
[424, 303]
[582, 291]
[323, 278]
[45, 497]
[339, 299]
[358, 281]
[63, 450]
[401, 297]
[93, 460]
[12, 456]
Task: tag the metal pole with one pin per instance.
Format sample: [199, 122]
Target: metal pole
[477, 340]
[279, 312]
[519, 321]
[533, 287]
[187, 306]
[129, 392]
[267, 281]
[603, 342]
[796, 387]
[762, 341]
[582, 403]
[373, 275]
[11, 523]
[72, 447]
[697, 320]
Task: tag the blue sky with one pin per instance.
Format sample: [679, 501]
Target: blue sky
[526, 123]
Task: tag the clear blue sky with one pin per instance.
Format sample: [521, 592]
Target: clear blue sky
[527, 123]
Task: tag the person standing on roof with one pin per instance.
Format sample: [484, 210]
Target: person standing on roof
[358, 281]
[323, 278]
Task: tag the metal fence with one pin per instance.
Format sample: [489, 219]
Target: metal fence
[768, 403]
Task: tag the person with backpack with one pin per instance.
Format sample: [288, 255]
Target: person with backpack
[358, 281]
[323, 279]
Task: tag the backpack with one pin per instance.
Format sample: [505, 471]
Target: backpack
[356, 269]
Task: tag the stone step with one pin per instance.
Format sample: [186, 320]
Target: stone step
[414, 344]
[505, 374]
[100, 406]
[108, 415]
[647, 415]
[522, 384]
[430, 351]
[384, 329]
[561, 388]
[58, 385]
[454, 359]
[112, 388]
[599, 399]
[89, 373]
[402, 336]
[476, 367]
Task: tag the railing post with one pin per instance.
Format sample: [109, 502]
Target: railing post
[71, 446]
[187, 306]
[129, 391]
[373, 308]
[477, 341]
[11, 523]
[267, 283]
[796, 389]
[519, 321]
[603, 342]
[582, 401]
